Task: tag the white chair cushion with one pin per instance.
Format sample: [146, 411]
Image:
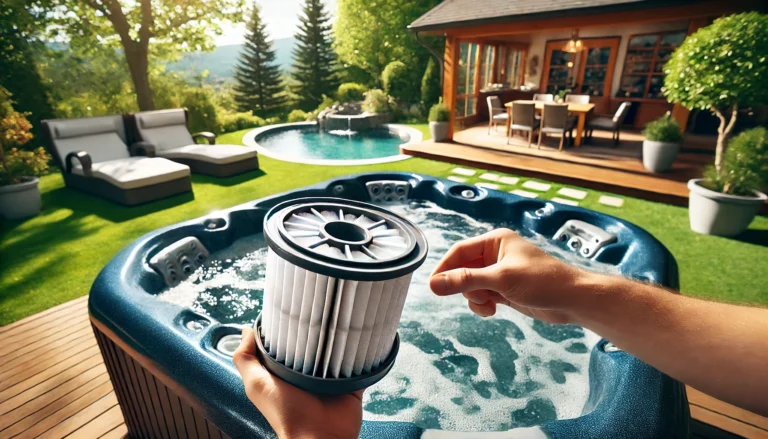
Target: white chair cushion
[500, 116]
[136, 172]
[217, 154]
[167, 137]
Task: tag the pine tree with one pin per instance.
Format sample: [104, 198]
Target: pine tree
[314, 67]
[259, 86]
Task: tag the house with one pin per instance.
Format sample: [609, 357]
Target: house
[612, 50]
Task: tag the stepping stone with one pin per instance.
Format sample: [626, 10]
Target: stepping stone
[611, 201]
[572, 193]
[535, 185]
[457, 179]
[488, 185]
[465, 171]
[523, 193]
[509, 180]
[564, 201]
[490, 176]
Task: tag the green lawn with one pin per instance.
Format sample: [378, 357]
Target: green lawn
[55, 256]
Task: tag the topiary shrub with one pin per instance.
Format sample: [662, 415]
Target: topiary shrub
[202, 111]
[430, 84]
[663, 129]
[297, 116]
[720, 67]
[376, 101]
[235, 121]
[439, 113]
[351, 92]
[398, 82]
[745, 165]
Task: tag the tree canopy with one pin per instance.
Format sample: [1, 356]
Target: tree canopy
[314, 66]
[259, 87]
[370, 35]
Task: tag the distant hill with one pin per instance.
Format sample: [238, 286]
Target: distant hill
[221, 62]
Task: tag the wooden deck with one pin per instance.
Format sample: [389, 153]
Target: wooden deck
[594, 165]
[53, 384]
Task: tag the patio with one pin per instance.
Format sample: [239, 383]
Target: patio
[54, 384]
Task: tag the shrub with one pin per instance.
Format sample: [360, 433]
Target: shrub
[745, 165]
[14, 133]
[376, 101]
[430, 84]
[439, 113]
[297, 116]
[235, 121]
[398, 82]
[273, 120]
[663, 129]
[202, 111]
[351, 92]
[719, 68]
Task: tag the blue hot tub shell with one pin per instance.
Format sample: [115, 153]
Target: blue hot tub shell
[172, 382]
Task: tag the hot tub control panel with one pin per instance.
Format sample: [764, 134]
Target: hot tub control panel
[583, 238]
[388, 191]
[179, 260]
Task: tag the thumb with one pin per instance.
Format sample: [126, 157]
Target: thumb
[254, 374]
[465, 280]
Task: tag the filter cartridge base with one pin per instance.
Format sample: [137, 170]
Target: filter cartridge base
[329, 386]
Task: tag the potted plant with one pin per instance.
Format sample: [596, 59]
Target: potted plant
[661, 144]
[439, 118]
[720, 68]
[725, 201]
[19, 194]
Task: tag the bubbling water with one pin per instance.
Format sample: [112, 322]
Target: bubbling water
[455, 371]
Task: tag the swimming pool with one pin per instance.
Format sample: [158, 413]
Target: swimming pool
[305, 143]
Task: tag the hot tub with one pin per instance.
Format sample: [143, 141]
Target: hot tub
[167, 341]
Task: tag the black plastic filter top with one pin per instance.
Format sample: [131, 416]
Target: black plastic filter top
[338, 272]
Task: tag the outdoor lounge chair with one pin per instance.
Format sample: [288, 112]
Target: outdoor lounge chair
[94, 158]
[167, 131]
[608, 123]
[555, 120]
[523, 119]
[497, 114]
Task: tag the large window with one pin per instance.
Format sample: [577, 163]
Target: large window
[588, 71]
[482, 64]
[643, 75]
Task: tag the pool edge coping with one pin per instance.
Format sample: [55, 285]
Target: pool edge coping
[249, 139]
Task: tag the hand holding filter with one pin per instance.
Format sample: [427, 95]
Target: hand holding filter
[338, 272]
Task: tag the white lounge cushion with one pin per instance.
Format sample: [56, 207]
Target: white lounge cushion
[217, 154]
[136, 172]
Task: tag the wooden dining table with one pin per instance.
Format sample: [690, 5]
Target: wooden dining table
[580, 110]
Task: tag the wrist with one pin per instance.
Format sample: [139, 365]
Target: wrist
[593, 296]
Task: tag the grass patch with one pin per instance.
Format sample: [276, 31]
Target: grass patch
[54, 257]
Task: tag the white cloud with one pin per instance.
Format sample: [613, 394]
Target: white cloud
[281, 16]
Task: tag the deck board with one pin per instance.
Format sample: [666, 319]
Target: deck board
[59, 387]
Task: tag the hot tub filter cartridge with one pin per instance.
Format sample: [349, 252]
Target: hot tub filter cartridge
[338, 272]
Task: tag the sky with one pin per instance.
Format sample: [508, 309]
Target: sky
[281, 16]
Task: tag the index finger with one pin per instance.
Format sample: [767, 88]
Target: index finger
[465, 253]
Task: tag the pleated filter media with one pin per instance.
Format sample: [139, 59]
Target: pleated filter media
[338, 273]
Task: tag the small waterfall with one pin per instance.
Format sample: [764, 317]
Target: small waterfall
[348, 132]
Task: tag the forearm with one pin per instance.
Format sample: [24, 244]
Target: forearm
[717, 348]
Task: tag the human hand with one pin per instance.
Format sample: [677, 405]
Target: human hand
[500, 267]
[292, 412]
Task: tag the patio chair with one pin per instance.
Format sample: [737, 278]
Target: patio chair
[554, 119]
[94, 158]
[496, 113]
[577, 99]
[608, 123]
[523, 119]
[544, 97]
[167, 131]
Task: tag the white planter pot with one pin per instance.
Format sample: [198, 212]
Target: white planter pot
[439, 131]
[715, 213]
[659, 156]
[21, 200]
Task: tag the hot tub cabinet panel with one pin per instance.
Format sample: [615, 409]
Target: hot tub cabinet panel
[171, 382]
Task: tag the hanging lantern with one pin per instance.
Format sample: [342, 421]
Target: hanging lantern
[574, 45]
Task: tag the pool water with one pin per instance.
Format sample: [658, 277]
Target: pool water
[490, 374]
[317, 144]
